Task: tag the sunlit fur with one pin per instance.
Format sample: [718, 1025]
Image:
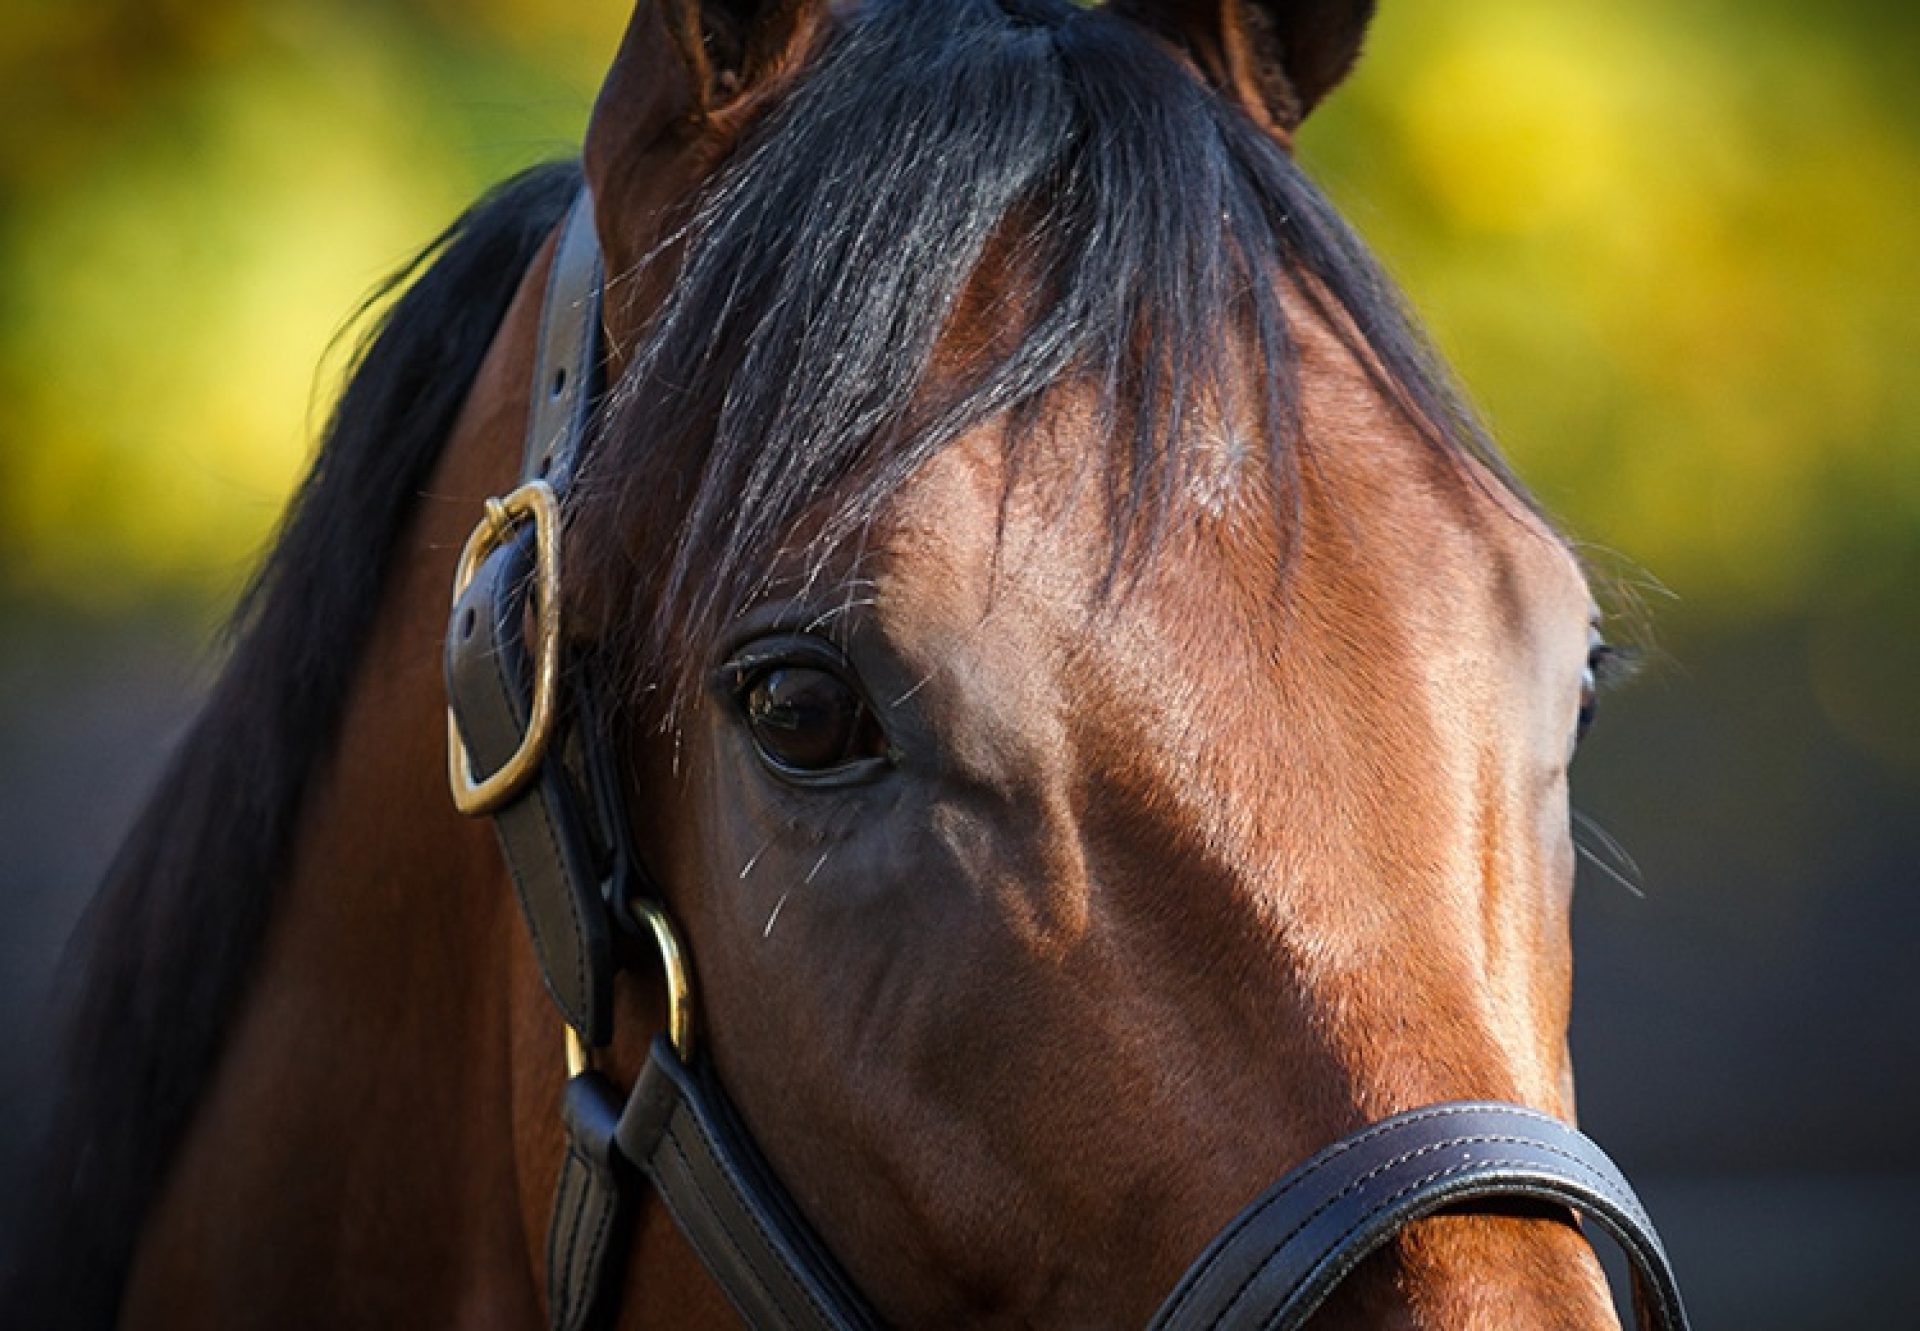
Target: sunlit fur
[1229, 687]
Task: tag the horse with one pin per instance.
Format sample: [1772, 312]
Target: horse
[1084, 711]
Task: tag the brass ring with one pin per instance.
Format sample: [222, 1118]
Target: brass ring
[578, 1058]
[679, 977]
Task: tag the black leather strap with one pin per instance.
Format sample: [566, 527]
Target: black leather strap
[1281, 1257]
[489, 678]
[568, 360]
[592, 1205]
[541, 834]
[562, 837]
[679, 1127]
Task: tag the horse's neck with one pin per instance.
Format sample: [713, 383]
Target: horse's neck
[380, 1143]
[353, 1160]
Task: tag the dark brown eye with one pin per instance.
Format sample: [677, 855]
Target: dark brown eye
[1589, 703]
[808, 721]
[1606, 665]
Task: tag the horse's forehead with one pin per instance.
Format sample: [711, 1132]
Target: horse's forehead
[1393, 699]
[1422, 553]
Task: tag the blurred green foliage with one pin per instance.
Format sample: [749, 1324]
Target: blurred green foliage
[1669, 246]
[193, 194]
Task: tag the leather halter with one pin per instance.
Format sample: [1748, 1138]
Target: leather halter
[528, 749]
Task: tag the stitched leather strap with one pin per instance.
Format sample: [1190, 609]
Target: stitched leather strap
[542, 831]
[1281, 1257]
[587, 1237]
[569, 354]
[563, 837]
[679, 1127]
[678, 1131]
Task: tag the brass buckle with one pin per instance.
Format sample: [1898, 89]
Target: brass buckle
[673, 964]
[533, 502]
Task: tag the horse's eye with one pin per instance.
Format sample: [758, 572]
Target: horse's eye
[1606, 664]
[809, 722]
[1589, 702]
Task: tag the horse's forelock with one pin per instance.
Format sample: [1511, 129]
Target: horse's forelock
[804, 363]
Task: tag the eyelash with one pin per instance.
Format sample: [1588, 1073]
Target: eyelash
[1611, 665]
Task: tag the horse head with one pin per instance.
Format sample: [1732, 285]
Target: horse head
[1084, 696]
[1104, 715]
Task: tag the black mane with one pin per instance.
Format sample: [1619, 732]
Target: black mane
[167, 946]
[797, 362]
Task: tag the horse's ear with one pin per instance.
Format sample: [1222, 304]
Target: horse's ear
[686, 71]
[1278, 57]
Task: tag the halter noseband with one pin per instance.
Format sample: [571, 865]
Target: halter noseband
[552, 789]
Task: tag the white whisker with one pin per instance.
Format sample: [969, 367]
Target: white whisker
[925, 680]
[827, 616]
[1609, 871]
[1608, 843]
[775, 914]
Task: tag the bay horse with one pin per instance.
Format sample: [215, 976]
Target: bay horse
[1087, 712]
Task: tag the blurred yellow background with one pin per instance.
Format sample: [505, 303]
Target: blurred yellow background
[197, 192]
[1669, 247]
[1672, 247]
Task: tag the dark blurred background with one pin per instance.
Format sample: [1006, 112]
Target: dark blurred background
[1670, 244]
